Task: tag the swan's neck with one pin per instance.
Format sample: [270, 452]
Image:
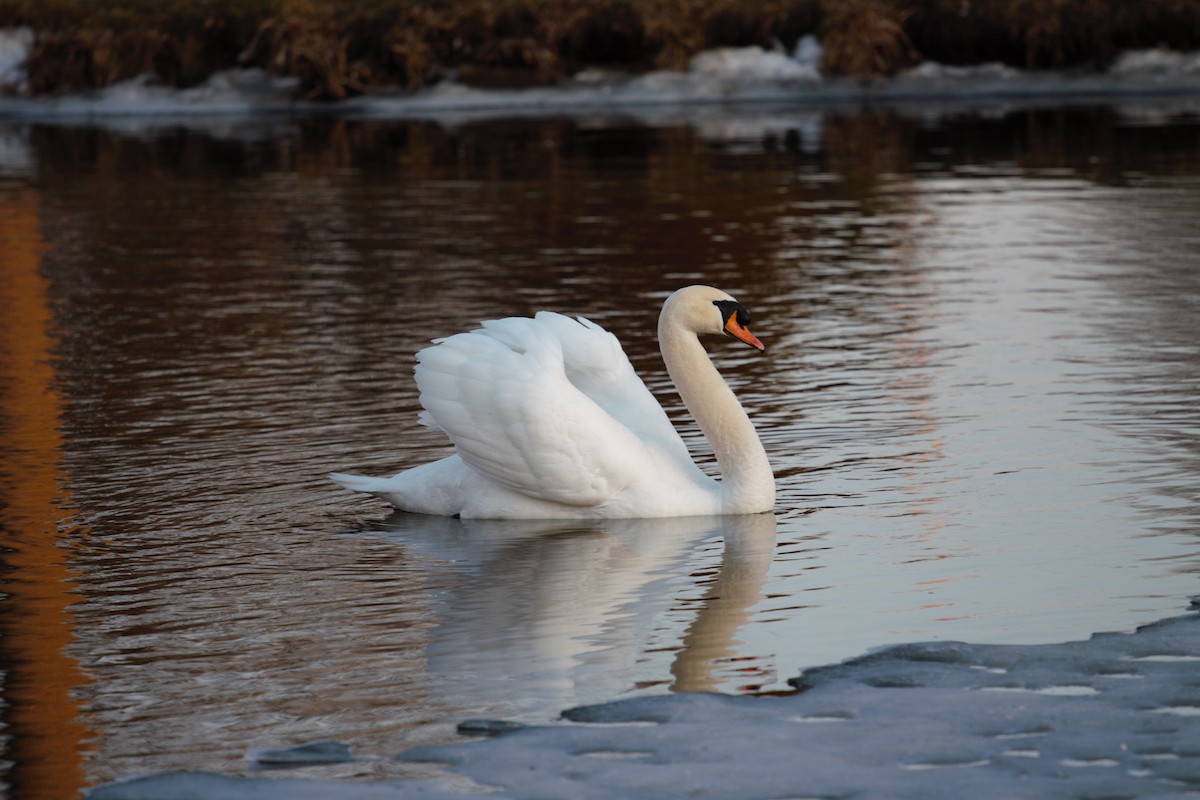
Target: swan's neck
[747, 483]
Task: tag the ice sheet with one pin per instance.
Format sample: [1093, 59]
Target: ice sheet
[723, 76]
[1115, 716]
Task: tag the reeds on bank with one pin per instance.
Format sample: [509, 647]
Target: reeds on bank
[339, 48]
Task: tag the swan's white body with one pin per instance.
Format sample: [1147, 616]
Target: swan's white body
[549, 421]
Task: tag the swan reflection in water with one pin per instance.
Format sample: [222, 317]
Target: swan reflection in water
[535, 617]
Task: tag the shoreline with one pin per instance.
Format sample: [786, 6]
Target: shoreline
[337, 50]
[723, 81]
[1108, 714]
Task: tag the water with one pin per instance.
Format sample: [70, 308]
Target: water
[979, 395]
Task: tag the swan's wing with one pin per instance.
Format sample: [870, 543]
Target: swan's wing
[597, 365]
[504, 397]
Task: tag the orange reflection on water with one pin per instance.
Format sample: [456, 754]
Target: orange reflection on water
[47, 742]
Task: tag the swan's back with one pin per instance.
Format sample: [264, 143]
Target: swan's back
[548, 407]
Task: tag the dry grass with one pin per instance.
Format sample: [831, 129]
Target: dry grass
[866, 39]
[338, 48]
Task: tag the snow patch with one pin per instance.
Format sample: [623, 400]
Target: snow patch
[720, 77]
[15, 44]
[992, 71]
[929, 733]
[1179, 711]
[743, 67]
[1053, 691]
[1158, 62]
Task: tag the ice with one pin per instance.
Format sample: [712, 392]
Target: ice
[488, 727]
[206, 786]
[719, 77]
[1115, 716]
[1158, 62]
[238, 92]
[305, 754]
[723, 75]
[992, 71]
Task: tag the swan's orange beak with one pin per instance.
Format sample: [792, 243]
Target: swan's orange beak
[739, 331]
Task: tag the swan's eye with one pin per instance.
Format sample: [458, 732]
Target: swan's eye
[733, 309]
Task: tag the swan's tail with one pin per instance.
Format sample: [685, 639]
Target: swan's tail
[359, 483]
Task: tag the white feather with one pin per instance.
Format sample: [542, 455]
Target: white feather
[548, 419]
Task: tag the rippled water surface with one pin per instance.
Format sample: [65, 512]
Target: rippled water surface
[980, 396]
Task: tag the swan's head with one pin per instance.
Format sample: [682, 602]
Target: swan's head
[703, 309]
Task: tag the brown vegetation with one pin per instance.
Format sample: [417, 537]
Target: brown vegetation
[339, 48]
[865, 39]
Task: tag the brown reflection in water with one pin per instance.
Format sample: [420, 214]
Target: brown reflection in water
[239, 317]
[45, 740]
[865, 148]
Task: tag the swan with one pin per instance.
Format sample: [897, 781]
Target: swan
[549, 421]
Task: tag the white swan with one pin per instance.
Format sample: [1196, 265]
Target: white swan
[549, 421]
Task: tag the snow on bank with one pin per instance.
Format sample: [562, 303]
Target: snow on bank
[727, 76]
[1115, 716]
[1157, 64]
[14, 48]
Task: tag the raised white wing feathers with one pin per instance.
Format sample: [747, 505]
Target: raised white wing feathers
[549, 407]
